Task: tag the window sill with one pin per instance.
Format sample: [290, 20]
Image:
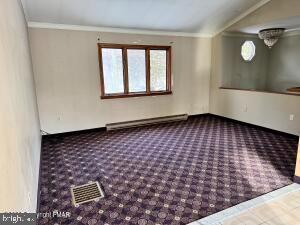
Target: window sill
[253, 90]
[132, 95]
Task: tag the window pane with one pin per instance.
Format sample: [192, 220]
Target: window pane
[158, 70]
[248, 51]
[136, 70]
[113, 70]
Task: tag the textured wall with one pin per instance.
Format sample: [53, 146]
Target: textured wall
[284, 66]
[275, 69]
[19, 123]
[67, 80]
[264, 109]
[237, 73]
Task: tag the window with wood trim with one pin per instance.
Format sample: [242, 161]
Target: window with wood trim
[134, 70]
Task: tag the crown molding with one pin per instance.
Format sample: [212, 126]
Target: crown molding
[243, 15]
[114, 30]
[239, 34]
[291, 32]
[287, 33]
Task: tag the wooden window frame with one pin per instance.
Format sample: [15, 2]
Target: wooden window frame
[147, 49]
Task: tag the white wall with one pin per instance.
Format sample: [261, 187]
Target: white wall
[274, 70]
[264, 109]
[284, 64]
[19, 123]
[67, 80]
[237, 73]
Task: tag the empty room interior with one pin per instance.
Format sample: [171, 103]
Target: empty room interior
[147, 112]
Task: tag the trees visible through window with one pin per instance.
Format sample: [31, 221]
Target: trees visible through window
[113, 70]
[134, 70]
[158, 70]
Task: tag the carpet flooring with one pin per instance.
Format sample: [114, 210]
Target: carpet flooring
[172, 173]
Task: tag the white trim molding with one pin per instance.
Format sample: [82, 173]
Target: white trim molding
[287, 33]
[113, 30]
[291, 32]
[239, 34]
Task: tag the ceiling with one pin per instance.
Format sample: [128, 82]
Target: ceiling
[189, 16]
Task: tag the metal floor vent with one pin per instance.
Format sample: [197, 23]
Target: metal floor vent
[86, 193]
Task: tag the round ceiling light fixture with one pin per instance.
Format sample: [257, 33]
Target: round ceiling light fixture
[271, 36]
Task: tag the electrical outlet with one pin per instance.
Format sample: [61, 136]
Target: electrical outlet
[292, 117]
[245, 108]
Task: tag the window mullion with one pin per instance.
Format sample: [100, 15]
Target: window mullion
[169, 69]
[101, 70]
[148, 71]
[125, 71]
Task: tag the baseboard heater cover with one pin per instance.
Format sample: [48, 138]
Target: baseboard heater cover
[137, 123]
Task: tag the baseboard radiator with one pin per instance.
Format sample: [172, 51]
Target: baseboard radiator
[138, 123]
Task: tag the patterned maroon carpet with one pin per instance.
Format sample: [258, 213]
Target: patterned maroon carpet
[164, 174]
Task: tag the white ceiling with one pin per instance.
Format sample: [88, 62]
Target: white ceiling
[189, 16]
